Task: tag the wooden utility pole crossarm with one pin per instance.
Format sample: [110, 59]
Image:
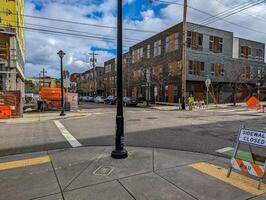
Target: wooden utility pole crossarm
[94, 71]
[184, 56]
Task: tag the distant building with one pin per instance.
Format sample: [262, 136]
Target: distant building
[110, 78]
[91, 82]
[74, 82]
[43, 81]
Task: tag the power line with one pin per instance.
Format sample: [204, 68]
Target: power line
[245, 13]
[75, 31]
[214, 16]
[69, 34]
[79, 23]
[233, 11]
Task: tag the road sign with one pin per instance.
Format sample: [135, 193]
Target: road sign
[208, 82]
[155, 91]
[253, 137]
[252, 102]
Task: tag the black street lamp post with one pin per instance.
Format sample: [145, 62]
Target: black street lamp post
[61, 55]
[119, 152]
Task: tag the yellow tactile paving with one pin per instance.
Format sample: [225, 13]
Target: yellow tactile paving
[24, 163]
[237, 180]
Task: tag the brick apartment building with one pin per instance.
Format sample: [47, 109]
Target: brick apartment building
[234, 65]
[109, 76]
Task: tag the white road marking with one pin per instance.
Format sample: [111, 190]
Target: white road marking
[224, 149]
[70, 138]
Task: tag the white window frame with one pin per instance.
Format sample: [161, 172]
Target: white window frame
[148, 51]
[176, 40]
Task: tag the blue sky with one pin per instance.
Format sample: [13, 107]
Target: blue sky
[138, 14]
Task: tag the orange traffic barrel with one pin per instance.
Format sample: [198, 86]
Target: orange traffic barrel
[5, 112]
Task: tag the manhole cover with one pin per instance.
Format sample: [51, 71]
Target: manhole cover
[134, 120]
[103, 171]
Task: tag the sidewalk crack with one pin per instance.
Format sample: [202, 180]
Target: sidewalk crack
[126, 189]
[86, 167]
[57, 179]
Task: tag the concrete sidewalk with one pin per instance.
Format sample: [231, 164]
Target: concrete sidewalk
[90, 173]
[42, 116]
[176, 107]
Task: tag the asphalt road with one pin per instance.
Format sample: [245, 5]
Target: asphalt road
[196, 131]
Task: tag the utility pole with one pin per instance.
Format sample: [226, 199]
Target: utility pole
[93, 60]
[43, 76]
[184, 56]
[119, 152]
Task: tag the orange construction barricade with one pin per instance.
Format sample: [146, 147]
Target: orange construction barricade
[5, 112]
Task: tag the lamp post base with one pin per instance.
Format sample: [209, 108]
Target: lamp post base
[119, 154]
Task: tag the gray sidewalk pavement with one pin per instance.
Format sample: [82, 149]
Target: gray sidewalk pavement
[42, 117]
[89, 173]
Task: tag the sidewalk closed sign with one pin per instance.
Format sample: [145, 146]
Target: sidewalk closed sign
[253, 137]
[254, 168]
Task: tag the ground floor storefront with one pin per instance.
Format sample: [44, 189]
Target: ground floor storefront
[217, 93]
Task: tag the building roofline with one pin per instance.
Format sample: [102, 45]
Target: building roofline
[249, 40]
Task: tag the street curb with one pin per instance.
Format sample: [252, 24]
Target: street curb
[45, 120]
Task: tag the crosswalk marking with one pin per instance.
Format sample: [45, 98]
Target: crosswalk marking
[70, 138]
[224, 149]
[235, 111]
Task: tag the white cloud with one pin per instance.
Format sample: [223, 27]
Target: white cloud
[42, 48]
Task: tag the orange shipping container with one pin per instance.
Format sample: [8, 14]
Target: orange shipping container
[50, 94]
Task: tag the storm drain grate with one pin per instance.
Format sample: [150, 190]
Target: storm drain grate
[103, 171]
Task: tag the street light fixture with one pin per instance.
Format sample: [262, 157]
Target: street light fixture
[119, 152]
[61, 55]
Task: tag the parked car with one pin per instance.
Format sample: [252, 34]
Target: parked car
[91, 99]
[110, 100]
[80, 98]
[85, 98]
[99, 99]
[128, 101]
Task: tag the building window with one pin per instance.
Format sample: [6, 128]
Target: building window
[216, 44]
[221, 45]
[259, 54]
[148, 51]
[108, 68]
[189, 39]
[247, 72]
[194, 40]
[217, 70]
[141, 52]
[167, 44]
[137, 54]
[196, 68]
[172, 42]
[137, 74]
[157, 48]
[176, 40]
[245, 52]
